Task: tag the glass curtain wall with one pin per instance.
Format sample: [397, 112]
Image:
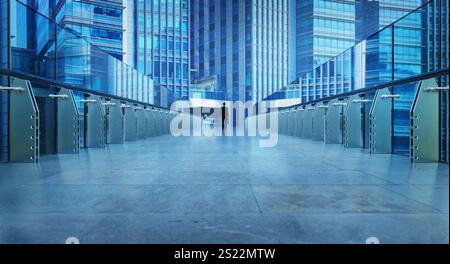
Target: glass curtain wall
[324, 29]
[43, 48]
[100, 21]
[413, 45]
[163, 47]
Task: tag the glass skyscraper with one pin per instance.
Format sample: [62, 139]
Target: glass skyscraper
[324, 29]
[100, 22]
[157, 44]
[241, 45]
[371, 16]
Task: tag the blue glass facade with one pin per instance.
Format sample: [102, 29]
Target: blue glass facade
[372, 16]
[100, 22]
[160, 29]
[43, 48]
[379, 58]
[243, 45]
[324, 29]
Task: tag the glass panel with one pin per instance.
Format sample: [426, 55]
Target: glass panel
[57, 53]
[379, 58]
[339, 70]
[409, 45]
[325, 87]
[401, 117]
[358, 81]
[318, 82]
[32, 50]
[332, 74]
[347, 70]
[409, 60]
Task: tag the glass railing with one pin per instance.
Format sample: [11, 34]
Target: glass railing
[413, 45]
[399, 57]
[42, 48]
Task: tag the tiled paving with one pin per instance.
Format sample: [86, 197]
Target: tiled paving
[224, 190]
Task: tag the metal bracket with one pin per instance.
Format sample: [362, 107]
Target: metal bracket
[157, 116]
[362, 101]
[141, 122]
[424, 123]
[150, 122]
[318, 123]
[291, 123]
[95, 124]
[109, 104]
[114, 120]
[299, 122]
[88, 101]
[334, 123]
[130, 123]
[23, 123]
[58, 96]
[352, 123]
[11, 89]
[436, 89]
[68, 124]
[307, 124]
[389, 96]
[380, 122]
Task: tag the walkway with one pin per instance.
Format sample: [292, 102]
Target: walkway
[224, 190]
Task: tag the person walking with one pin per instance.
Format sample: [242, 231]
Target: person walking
[224, 116]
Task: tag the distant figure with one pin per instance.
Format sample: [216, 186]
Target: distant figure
[224, 116]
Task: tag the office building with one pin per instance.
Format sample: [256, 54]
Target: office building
[324, 29]
[100, 22]
[242, 46]
[372, 16]
[157, 44]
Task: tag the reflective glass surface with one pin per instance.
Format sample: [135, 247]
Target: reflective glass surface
[414, 44]
[41, 47]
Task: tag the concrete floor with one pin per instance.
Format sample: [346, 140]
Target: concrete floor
[224, 190]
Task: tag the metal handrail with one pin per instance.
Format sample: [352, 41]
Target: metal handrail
[11, 89]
